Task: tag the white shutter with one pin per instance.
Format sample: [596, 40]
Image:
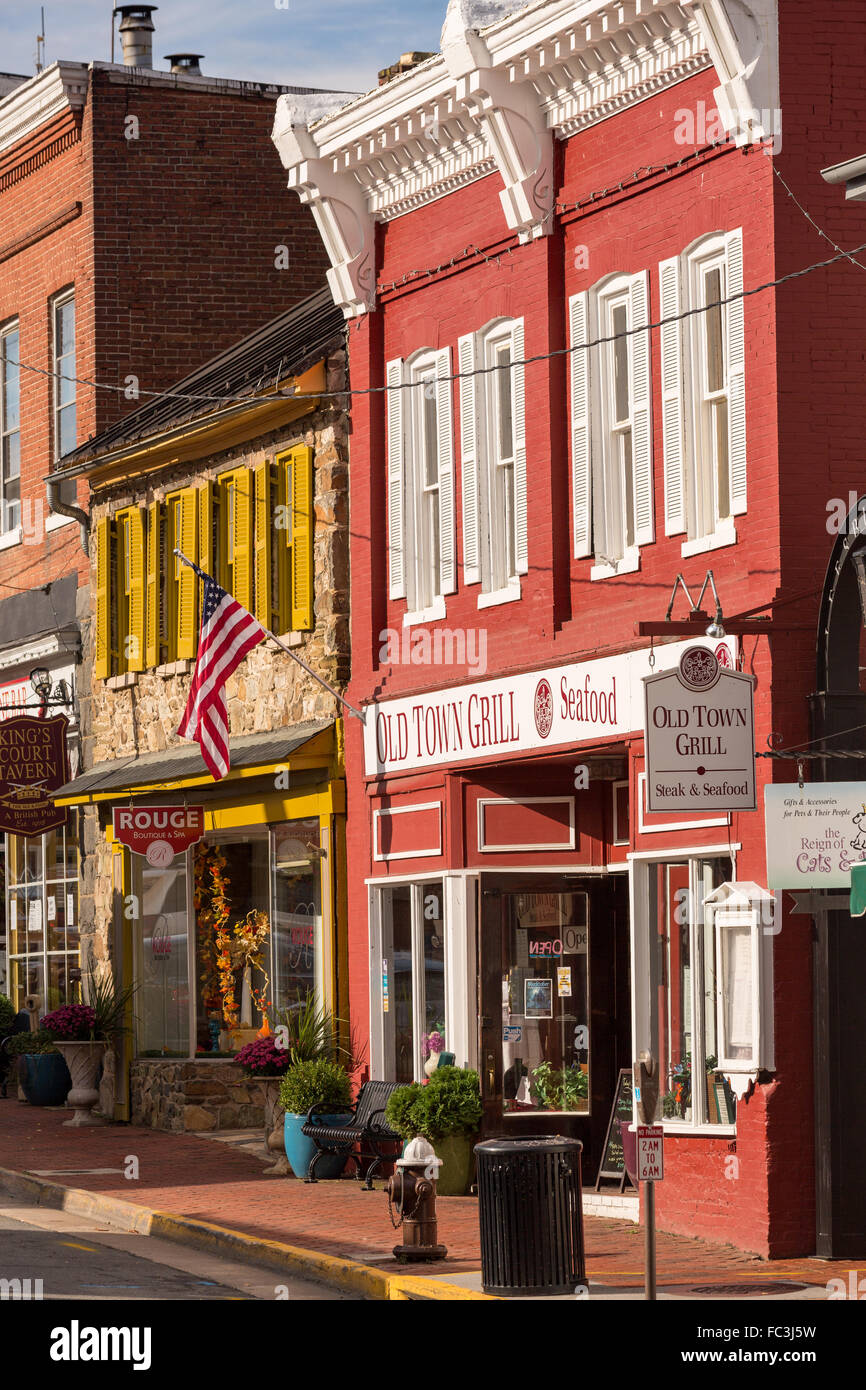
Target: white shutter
[673, 403]
[521, 542]
[469, 460]
[581, 462]
[736, 372]
[396, 479]
[445, 455]
[641, 412]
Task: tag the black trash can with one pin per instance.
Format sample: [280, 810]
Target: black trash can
[529, 1205]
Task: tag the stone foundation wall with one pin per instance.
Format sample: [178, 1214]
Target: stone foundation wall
[177, 1095]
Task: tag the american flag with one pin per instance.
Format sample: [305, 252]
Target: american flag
[227, 633]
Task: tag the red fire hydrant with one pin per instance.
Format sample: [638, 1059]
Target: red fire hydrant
[412, 1195]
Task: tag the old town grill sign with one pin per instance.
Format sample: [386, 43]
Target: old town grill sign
[700, 736]
[33, 764]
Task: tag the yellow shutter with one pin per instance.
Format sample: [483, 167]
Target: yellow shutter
[187, 580]
[262, 524]
[242, 588]
[154, 574]
[102, 657]
[302, 537]
[134, 643]
[282, 542]
[206, 557]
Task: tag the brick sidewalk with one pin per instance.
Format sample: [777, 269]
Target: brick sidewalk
[202, 1178]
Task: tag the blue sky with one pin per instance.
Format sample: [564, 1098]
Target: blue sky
[338, 44]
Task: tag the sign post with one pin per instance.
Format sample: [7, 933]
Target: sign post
[700, 736]
[649, 1155]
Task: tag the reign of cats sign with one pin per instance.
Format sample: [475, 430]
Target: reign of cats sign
[699, 732]
[33, 764]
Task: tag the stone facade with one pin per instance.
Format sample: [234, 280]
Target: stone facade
[139, 713]
[177, 1095]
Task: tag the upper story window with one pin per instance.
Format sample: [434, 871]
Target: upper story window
[421, 483]
[65, 424]
[493, 459]
[10, 429]
[703, 386]
[611, 424]
[251, 528]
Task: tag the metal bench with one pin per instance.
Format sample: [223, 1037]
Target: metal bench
[367, 1129]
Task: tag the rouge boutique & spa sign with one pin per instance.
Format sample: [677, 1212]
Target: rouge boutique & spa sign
[158, 832]
[33, 764]
[700, 736]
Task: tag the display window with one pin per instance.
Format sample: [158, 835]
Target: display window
[41, 908]
[229, 934]
[684, 989]
[413, 978]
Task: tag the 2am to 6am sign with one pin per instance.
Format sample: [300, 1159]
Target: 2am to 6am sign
[700, 736]
[158, 832]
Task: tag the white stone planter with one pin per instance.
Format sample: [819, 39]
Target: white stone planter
[275, 1143]
[82, 1059]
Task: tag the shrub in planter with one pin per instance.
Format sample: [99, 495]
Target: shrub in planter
[7, 1016]
[314, 1082]
[447, 1111]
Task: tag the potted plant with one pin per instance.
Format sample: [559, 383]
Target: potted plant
[447, 1111]
[317, 1081]
[266, 1061]
[42, 1073]
[81, 1033]
[560, 1090]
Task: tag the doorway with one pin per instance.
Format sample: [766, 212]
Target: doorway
[555, 992]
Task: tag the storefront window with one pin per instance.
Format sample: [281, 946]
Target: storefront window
[297, 913]
[232, 925]
[413, 969]
[545, 1002]
[162, 964]
[683, 969]
[249, 944]
[41, 909]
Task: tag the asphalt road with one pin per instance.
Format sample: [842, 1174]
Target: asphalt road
[80, 1259]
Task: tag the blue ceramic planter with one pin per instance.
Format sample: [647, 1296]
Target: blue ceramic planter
[300, 1150]
[44, 1078]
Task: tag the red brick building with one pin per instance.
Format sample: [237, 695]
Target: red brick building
[531, 469]
[143, 230]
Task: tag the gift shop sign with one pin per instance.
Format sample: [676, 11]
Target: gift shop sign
[158, 832]
[814, 834]
[539, 709]
[33, 764]
[699, 732]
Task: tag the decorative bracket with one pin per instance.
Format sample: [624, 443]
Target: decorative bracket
[338, 206]
[512, 121]
[743, 42]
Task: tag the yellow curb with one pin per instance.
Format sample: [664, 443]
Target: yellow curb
[348, 1275]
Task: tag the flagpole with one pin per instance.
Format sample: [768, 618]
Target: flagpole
[316, 677]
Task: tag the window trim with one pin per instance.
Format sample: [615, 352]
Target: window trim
[708, 255]
[61, 298]
[12, 326]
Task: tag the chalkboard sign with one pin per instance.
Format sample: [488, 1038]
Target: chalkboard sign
[612, 1157]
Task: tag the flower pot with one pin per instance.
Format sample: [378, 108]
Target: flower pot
[457, 1152]
[83, 1059]
[300, 1150]
[44, 1077]
[275, 1143]
[432, 1064]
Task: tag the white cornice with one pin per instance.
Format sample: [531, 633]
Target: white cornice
[495, 98]
[60, 86]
